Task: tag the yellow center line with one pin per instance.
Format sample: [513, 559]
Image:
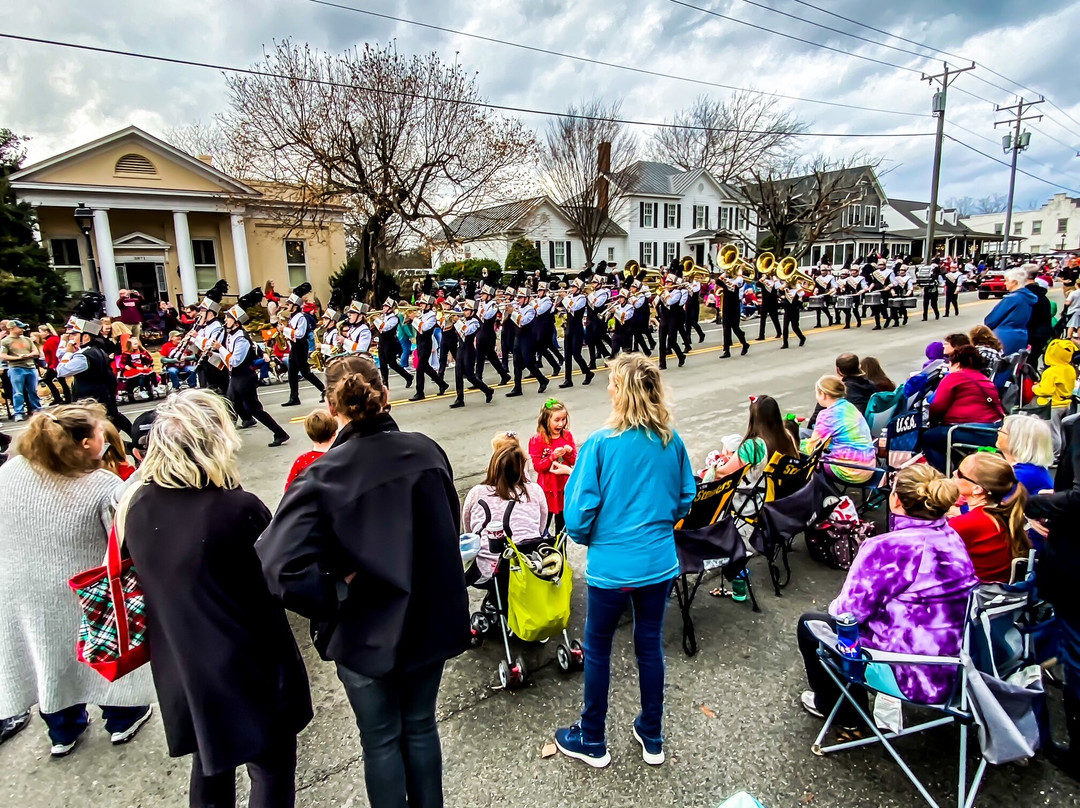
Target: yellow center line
[404, 402]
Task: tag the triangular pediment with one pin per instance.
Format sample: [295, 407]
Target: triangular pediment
[131, 158]
[140, 241]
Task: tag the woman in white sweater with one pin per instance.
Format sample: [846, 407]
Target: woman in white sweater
[59, 506]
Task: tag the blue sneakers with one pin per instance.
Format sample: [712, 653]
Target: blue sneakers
[571, 744]
[651, 751]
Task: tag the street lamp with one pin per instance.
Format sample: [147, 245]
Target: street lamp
[84, 218]
[884, 230]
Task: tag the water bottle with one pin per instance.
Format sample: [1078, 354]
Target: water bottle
[847, 645]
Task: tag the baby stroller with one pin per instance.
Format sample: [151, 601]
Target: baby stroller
[493, 558]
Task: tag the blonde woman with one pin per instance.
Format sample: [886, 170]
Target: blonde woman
[232, 686]
[628, 528]
[1028, 444]
[58, 506]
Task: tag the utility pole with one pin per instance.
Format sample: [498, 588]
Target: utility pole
[1016, 143]
[945, 78]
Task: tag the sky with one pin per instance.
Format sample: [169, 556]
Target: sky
[62, 98]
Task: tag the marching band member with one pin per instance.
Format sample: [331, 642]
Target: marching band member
[466, 329]
[84, 360]
[595, 325]
[640, 322]
[357, 336]
[881, 280]
[425, 324]
[929, 278]
[329, 344]
[684, 303]
[825, 285]
[903, 286]
[771, 289]
[485, 340]
[389, 344]
[296, 333]
[791, 299]
[854, 286]
[952, 290]
[574, 305]
[211, 373]
[238, 355]
[669, 309]
[731, 289]
[545, 328]
[524, 317]
[449, 344]
[623, 337]
[507, 329]
[693, 312]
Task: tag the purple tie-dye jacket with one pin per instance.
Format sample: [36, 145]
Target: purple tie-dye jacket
[909, 591]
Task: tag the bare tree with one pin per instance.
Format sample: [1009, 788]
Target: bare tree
[994, 203]
[401, 140]
[728, 138]
[964, 205]
[802, 210]
[212, 139]
[587, 160]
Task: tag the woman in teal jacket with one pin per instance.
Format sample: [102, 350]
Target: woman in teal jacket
[632, 482]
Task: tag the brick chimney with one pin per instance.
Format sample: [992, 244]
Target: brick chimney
[603, 167]
[206, 158]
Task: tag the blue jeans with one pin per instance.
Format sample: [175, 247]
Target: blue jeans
[406, 352]
[175, 373]
[24, 397]
[605, 607]
[399, 736]
[68, 724]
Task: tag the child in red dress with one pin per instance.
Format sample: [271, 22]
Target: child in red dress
[322, 429]
[553, 454]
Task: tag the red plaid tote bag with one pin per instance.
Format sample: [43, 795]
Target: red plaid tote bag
[112, 633]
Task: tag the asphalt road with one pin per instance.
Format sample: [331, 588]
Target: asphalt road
[732, 720]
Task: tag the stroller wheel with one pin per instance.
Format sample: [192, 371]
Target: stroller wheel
[562, 654]
[490, 610]
[504, 674]
[479, 626]
[577, 654]
[518, 672]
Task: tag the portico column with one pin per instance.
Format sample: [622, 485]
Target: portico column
[106, 261]
[189, 285]
[240, 254]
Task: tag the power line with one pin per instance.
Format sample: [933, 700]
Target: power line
[601, 63]
[991, 141]
[1008, 165]
[796, 38]
[425, 97]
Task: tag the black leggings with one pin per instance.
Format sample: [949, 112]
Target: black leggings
[51, 379]
[825, 690]
[273, 780]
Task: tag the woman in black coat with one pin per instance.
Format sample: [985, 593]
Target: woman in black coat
[232, 686]
[365, 543]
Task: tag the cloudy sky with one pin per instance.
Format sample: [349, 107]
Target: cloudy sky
[62, 97]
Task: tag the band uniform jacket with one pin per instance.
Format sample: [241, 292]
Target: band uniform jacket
[228, 673]
[380, 503]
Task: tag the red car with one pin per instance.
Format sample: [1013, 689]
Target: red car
[992, 284]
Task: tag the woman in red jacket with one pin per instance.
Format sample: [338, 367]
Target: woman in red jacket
[553, 454]
[964, 396]
[137, 370]
[49, 342]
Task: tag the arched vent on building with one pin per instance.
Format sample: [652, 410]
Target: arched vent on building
[135, 164]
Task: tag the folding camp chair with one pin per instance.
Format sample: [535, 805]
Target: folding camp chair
[965, 439]
[708, 533]
[882, 408]
[996, 646]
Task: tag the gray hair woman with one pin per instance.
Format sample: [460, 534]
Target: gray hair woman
[59, 506]
[233, 687]
[1009, 318]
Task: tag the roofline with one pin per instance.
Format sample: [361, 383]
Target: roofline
[156, 142]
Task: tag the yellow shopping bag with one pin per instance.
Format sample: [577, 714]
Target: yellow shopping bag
[538, 608]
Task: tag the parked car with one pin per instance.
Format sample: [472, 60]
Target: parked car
[992, 285]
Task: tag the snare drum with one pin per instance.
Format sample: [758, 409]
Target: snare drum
[902, 303]
[872, 299]
[818, 302]
[845, 302]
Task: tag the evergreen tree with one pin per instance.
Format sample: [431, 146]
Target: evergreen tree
[523, 257]
[29, 287]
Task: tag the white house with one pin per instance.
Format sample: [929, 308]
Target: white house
[1054, 226]
[665, 213]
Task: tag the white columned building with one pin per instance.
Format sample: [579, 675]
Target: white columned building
[106, 260]
[240, 254]
[185, 256]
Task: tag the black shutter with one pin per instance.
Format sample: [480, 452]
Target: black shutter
[641, 214]
[665, 215]
[641, 253]
[655, 254]
[569, 263]
[706, 217]
[551, 254]
[656, 214]
[678, 216]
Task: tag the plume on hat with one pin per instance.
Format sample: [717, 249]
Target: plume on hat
[333, 307]
[91, 307]
[239, 311]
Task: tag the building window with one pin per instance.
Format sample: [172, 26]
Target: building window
[701, 214]
[647, 256]
[611, 255]
[870, 216]
[1036, 227]
[671, 215]
[560, 254]
[671, 251]
[296, 261]
[1018, 228]
[999, 228]
[742, 219]
[648, 214]
[206, 269]
[1063, 226]
[853, 216]
[66, 261]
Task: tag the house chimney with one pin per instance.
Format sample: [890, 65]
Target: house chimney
[206, 158]
[603, 168]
